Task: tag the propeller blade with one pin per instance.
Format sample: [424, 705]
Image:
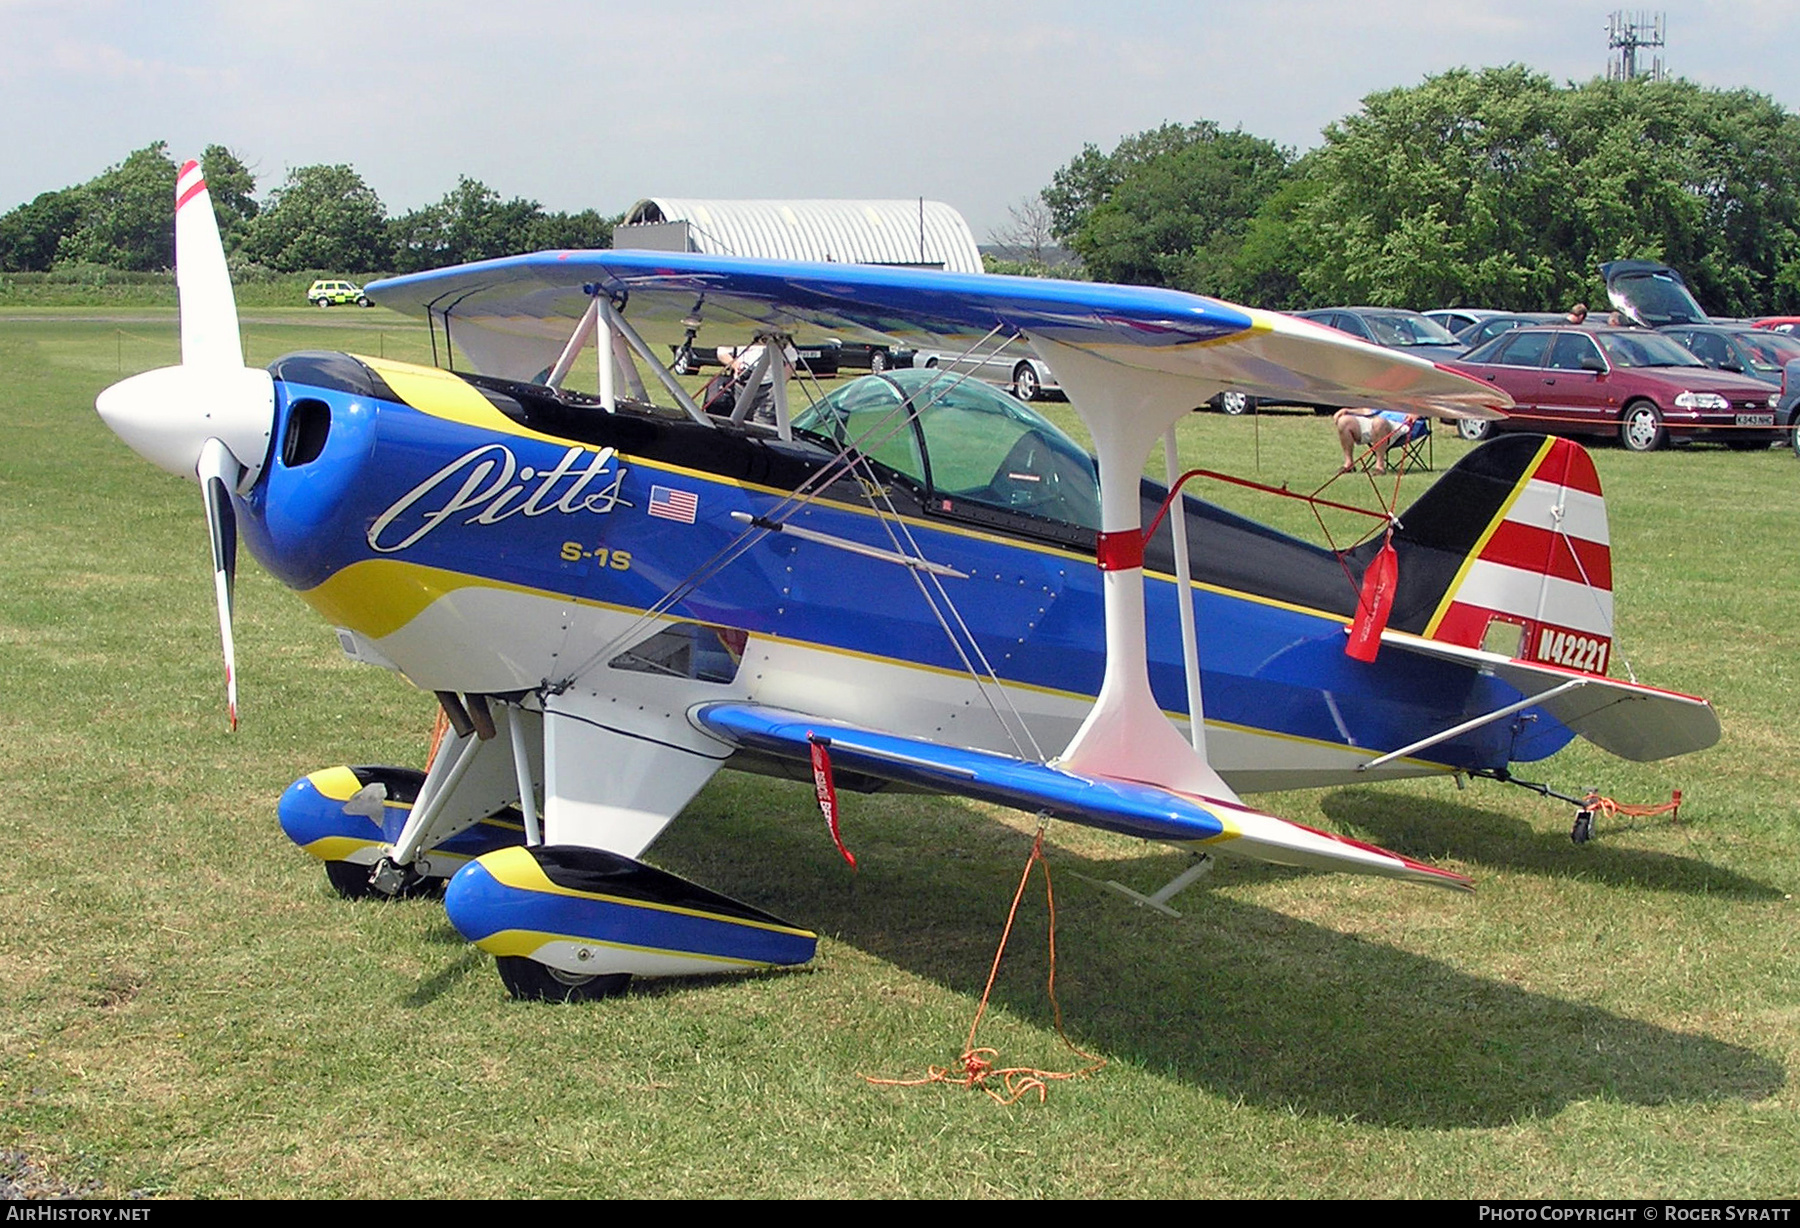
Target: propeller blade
[219, 472]
[211, 418]
[209, 323]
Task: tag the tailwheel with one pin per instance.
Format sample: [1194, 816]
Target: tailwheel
[529, 981]
[1583, 831]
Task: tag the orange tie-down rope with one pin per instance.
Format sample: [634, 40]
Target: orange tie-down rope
[439, 728]
[1611, 809]
[977, 1065]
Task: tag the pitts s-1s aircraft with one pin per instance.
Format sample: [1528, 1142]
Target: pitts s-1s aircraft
[916, 582]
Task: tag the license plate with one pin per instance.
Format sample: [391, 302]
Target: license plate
[1756, 419]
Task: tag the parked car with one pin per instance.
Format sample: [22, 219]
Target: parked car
[1637, 385]
[1454, 319]
[1012, 367]
[1485, 331]
[816, 358]
[1390, 327]
[1780, 324]
[337, 294]
[1773, 358]
[1739, 349]
[870, 356]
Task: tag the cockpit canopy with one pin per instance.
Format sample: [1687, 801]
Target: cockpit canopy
[955, 438]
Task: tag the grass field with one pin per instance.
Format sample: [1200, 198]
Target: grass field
[186, 1009]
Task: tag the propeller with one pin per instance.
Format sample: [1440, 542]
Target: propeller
[209, 419]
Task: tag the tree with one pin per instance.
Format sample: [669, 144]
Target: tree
[232, 186]
[1089, 179]
[127, 216]
[322, 217]
[1168, 207]
[1027, 238]
[573, 231]
[471, 222]
[1501, 189]
[31, 234]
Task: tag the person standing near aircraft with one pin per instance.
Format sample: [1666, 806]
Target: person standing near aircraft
[740, 365]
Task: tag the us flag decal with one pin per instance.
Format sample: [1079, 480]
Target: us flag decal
[671, 504]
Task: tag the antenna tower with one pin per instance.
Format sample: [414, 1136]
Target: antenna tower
[1626, 35]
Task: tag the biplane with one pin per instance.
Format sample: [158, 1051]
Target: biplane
[915, 582]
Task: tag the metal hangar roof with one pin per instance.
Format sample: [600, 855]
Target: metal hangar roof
[916, 233]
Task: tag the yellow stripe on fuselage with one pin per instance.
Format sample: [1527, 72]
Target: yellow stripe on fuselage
[446, 395]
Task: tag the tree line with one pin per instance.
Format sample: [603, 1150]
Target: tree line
[321, 218]
[1493, 188]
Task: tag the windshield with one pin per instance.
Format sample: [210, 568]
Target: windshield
[1771, 352]
[1401, 331]
[966, 442]
[1645, 350]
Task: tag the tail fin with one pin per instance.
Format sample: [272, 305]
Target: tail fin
[1510, 552]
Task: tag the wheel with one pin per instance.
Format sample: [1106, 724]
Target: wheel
[352, 881]
[931, 364]
[878, 361]
[1025, 382]
[349, 879]
[324, 302]
[684, 363]
[1794, 433]
[1474, 429]
[1641, 428]
[529, 981]
[1583, 831]
[1236, 403]
[365, 301]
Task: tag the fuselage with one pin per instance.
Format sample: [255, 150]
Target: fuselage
[481, 537]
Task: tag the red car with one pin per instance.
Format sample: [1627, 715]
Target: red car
[1641, 386]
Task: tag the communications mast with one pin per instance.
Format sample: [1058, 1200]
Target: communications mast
[1626, 35]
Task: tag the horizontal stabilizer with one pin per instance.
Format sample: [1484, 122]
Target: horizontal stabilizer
[1126, 807]
[1627, 719]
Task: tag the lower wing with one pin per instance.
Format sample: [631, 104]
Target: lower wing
[1147, 811]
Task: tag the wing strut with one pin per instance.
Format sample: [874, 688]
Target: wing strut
[621, 340]
[584, 332]
[1184, 597]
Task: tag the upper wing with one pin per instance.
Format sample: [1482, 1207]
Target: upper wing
[1123, 806]
[511, 317]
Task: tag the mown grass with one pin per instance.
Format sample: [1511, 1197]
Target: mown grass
[186, 1009]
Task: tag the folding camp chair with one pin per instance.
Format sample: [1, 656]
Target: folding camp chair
[1409, 451]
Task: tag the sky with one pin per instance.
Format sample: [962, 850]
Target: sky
[592, 104]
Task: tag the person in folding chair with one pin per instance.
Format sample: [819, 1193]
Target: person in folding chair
[1377, 429]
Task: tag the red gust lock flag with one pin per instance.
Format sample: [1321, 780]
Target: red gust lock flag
[1374, 604]
[827, 791]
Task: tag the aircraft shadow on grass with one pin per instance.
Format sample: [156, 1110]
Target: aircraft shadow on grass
[1431, 829]
[1244, 1001]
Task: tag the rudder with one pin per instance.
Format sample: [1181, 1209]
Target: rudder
[1510, 552]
